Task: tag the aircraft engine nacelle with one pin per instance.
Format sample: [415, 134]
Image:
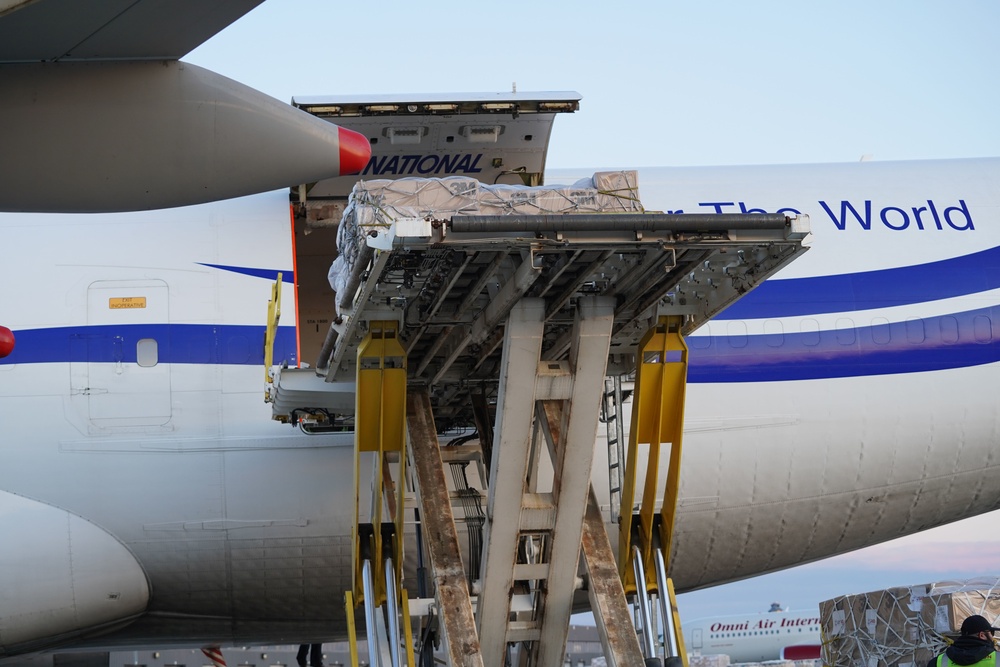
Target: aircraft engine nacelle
[61, 577]
[127, 136]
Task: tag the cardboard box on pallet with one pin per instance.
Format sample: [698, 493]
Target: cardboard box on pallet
[951, 602]
[904, 626]
[375, 206]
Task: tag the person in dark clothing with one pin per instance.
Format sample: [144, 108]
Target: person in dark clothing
[313, 651]
[974, 647]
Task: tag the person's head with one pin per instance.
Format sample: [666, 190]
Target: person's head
[977, 626]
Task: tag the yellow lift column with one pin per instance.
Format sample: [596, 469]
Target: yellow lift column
[271, 332]
[380, 421]
[644, 541]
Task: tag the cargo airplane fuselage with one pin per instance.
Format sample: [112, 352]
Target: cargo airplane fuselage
[146, 496]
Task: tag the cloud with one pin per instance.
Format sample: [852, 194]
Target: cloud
[971, 545]
[975, 557]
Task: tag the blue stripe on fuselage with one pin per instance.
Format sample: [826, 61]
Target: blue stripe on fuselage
[270, 274]
[866, 290]
[959, 340]
[176, 344]
[936, 343]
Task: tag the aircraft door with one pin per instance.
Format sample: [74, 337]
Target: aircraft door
[696, 639]
[117, 372]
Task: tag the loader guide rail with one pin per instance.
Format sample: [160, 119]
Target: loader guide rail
[643, 222]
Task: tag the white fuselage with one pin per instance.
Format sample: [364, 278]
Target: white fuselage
[846, 402]
[755, 637]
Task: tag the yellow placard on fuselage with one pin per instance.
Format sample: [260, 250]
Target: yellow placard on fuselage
[121, 302]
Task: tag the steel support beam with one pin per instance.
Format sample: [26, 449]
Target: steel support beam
[451, 590]
[560, 401]
[607, 597]
[512, 436]
[572, 457]
[604, 588]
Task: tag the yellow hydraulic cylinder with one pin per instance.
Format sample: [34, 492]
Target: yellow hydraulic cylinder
[352, 635]
[657, 420]
[380, 420]
[676, 616]
[408, 627]
[271, 332]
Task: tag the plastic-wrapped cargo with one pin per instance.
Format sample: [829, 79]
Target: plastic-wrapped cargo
[708, 661]
[695, 660]
[376, 204]
[905, 626]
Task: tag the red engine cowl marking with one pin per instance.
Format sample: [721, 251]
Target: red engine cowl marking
[801, 652]
[6, 342]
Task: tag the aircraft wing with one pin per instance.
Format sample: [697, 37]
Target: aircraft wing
[81, 30]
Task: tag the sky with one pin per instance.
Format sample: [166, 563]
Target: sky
[663, 83]
[683, 83]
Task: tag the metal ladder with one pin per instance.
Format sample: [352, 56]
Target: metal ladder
[610, 406]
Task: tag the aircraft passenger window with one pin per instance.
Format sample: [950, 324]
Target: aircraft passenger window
[774, 333]
[983, 328]
[702, 340]
[810, 332]
[147, 352]
[915, 330]
[880, 331]
[736, 332]
[846, 334]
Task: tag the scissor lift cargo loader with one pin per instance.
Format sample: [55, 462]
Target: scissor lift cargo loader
[534, 312]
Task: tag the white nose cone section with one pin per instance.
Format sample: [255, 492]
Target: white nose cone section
[60, 576]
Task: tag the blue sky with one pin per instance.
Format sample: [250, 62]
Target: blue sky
[692, 83]
[663, 83]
